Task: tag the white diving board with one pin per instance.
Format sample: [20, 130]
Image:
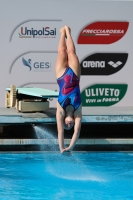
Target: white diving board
[29, 99]
[36, 92]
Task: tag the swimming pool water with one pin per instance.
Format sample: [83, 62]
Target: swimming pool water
[81, 176]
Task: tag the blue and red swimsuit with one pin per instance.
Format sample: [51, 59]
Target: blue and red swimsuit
[69, 93]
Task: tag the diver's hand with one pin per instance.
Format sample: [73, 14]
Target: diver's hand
[66, 152]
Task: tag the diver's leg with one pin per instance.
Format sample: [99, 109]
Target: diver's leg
[61, 62]
[73, 60]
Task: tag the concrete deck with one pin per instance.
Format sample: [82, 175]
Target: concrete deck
[90, 114]
[93, 141]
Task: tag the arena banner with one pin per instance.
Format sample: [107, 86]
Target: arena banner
[30, 33]
[103, 64]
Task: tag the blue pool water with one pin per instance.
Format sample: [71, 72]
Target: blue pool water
[81, 176]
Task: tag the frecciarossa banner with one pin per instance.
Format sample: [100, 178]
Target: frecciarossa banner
[102, 32]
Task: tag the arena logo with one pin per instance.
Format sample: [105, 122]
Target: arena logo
[36, 66]
[103, 63]
[103, 32]
[44, 32]
[103, 94]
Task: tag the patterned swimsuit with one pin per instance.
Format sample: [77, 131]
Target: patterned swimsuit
[69, 93]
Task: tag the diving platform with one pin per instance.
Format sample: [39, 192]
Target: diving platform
[103, 129]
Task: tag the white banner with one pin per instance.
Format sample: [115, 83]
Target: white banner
[102, 32]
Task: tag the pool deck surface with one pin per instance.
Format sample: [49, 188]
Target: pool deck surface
[89, 114]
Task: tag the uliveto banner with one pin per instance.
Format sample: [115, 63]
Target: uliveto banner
[103, 94]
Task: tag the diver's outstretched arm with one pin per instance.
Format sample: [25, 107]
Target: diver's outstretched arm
[76, 133]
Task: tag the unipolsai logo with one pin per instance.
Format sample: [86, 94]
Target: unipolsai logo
[36, 66]
[103, 63]
[43, 32]
[103, 94]
[36, 29]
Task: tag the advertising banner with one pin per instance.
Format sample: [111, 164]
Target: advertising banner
[102, 32]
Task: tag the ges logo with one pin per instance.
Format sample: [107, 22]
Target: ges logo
[36, 65]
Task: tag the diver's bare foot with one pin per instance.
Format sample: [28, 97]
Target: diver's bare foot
[63, 31]
[68, 30]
